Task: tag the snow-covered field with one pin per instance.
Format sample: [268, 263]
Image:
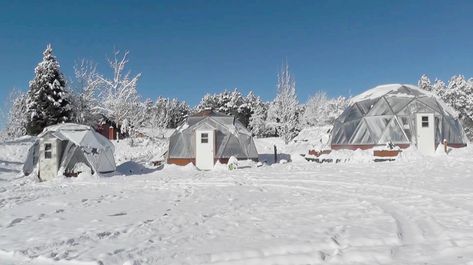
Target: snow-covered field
[417, 210]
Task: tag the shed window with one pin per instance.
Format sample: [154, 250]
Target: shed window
[48, 151]
[204, 138]
[425, 121]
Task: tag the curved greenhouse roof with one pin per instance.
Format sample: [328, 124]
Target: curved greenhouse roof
[231, 138]
[387, 113]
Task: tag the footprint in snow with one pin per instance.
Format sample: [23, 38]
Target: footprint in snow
[107, 234]
[118, 214]
[15, 221]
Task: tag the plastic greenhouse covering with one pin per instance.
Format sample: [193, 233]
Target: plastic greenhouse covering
[81, 144]
[387, 114]
[232, 137]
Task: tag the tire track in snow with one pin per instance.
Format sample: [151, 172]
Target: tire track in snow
[404, 223]
[409, 231]
[377, 188]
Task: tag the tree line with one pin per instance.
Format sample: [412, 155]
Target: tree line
[90, 96]
[458, 94]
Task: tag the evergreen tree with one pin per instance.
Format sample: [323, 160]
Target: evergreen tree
[48, 100]
[165, 113]
[258, 120]
[459, 95]
[439, 87]
[231, 103]
[258, 113]
[424, 83]
[179, 112]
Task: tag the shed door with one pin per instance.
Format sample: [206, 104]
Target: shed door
[425, 133]
[48, 158]
[204, 149]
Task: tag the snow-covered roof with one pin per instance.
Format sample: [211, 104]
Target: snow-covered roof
[81, 135]
[382, 90]
[400, 90]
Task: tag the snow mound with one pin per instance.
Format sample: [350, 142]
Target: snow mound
[312, 138]
[133, 168]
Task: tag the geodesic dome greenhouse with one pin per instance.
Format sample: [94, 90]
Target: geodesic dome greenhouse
[387, 113]
[232, 138]
[79, 144]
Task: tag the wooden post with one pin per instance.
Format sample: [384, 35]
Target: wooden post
[111, 133]
[275, 154]
[445, 145]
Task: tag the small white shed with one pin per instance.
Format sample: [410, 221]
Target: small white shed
[60, 149]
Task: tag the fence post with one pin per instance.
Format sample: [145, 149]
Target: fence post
[275, 154]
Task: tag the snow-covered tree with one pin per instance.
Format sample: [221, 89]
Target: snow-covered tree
[456, 93]
[119, 94]
[179, 112]
[48, 100]
[321, 110]
[256, 112]
[165, 113]
[424, 83]
[162, 113]
[17, 115]
[231, 103]
[337, 106]
[459, 95]
[146, 113]
[438, 87]
[315, 112]
[87, 87]
[257, 123]
[283, 111]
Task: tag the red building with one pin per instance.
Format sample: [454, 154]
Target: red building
[109, 129]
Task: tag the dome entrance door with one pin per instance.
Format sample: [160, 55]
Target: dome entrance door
[425, 125]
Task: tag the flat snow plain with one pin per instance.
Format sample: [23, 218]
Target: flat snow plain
[417, 210]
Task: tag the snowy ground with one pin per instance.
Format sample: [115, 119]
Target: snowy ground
[413, 211]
